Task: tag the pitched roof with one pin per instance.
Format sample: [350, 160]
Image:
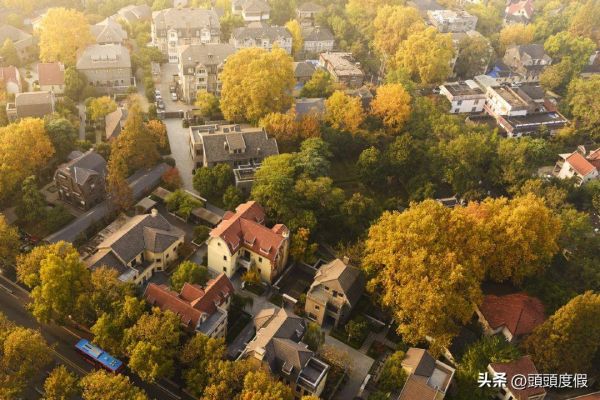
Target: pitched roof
[517, 6]
[205, 53]
[303, 69]
[255, 6]
[533, 50]
[51, 73]
[10, 74]
[245, 228]
[185, 18]
[518, 312]
[258, 31]
[33, 98]
[419, 361]
[113, 120]
[12, 33]
[348, 278]
[193, 301]
[316, 34]
[97, 56]
[108, 31]
[310, 106]
[310, 7]
[594, 158]
[523, 366]
[255, 142]
[83, 166]
[416, 388]
[579, 163]
[133, 12]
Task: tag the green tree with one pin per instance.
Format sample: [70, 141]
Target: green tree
[100, 107]
[32, 206]
[9, 54]
[108, 291]
[63, 136]
[75, 82]
[313, 158]
[314, 337]
[189, 272]
[200, 356]
[29, 264]
[319, 85]
[101, 385]
[474, 54]
[274, 185]
[282, 11]
[232, 197]
[392, 377]
[569, 340]
[211, 182]
[60, 384]
[584, 104]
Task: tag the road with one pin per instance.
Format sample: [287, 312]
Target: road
[13, 300]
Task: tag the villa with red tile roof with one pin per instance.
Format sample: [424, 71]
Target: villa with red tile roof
[200, 309]
[578, 165]
[523, 366]
[242, 240]
[519, 11]
[51, 77]
[514, 315]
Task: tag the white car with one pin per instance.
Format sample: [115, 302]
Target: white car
[174, 96]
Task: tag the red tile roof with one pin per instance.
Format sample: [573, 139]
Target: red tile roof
[51, 73]
[594, 158]
[193, 301]
[578, 162]
[523, 366]
[516, 7]
[245, 228]
[518, 312]
[9, 74]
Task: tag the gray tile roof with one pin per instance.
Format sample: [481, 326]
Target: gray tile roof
[107, 258]
[258, 31]
[33, 98]
[108, 31]
[12, 33]
[303, 69]
[310, 7]
[205, 54]
[256, 143]
[420, 361]
[185, 18]
[253, 6]
[316, 34]
[307, 106]
[348, 278]
[104, 56]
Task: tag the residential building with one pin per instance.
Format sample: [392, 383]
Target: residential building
[514, 315]
[278, 347]
[24, 42]
[242, 240]
[314, 106]
[343, 68]
[109, 31]
[200, 66]
[107, 67]
[528, 61]
[176, 27]
[428, 378]
[114, 123]
[317, 39]
[447, 21]
[30, 104]
[307, 13]
[81, 181]
[518, 12]
[464, 96]
[303, 71]
[259, 34]
[524, 366]
[235, 145]
[200, 309]
[143, 245]
[251, 10]
[578, 165]
[335, 291]
[135, 13]
[51, 77]
[11, 79]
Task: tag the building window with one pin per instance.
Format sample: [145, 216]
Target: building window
[224, 258]
[224, 269]
[259, 259]
[317, 307]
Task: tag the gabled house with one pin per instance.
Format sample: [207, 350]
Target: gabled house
[107, 67]
[51, 77]
[335, 291]
[81, 181]
[278, 347]
[578, 165]
[251, 10]
[514, 315]
[109, 31]
[259, 34]
[428, 378]
[11, 79]
[518, 12]
[200, 67]
[303, 71]
[527, 61]
[242, 241]
[200, 309]
[31, 104]
[310, 106]
[343, 68]
[175, 27]
[307, 13]
[143, 245]
[114, 123]
[135, 13]
[317, 39]
[23, 41]
[524, 366]
[447, 21]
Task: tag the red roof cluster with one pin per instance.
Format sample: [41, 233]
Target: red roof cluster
[518, 312]
[523, 366]
[515, 7]
[245, 228]
[9, 74]
[580, 164]
[193, 301]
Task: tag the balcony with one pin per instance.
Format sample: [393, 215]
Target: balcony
[245, 262]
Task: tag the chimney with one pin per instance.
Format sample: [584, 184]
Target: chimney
[346, 260]
[154, 213]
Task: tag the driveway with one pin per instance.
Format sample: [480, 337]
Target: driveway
[359, 368]
[180, 150]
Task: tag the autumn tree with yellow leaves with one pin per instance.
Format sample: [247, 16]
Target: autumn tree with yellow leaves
[63, 32]
[297, 39]
[393, 25]
[392, 105]
[344, 112]
[256, 82]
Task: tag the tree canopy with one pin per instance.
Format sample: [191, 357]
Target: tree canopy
[63, 33]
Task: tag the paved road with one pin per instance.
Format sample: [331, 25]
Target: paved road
[140, 183]
[82, 117]
[62, 340]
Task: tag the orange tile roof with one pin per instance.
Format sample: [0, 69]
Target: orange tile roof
[594, 158]
[519, 312]
[51, 73]
[245, 228]
[578, 162]
[523, 366]
[515, 7]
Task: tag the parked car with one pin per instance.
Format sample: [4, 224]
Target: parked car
[160, 105]
[172, 88]
[174, 96]
[157, 92]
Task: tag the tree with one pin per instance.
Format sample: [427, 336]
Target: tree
[586, 20]
[200, 356]
[474, 54]
[282, 11]
[9, 54]
[32, 206]
[182, 203]
[297, 39]
[158, 130]
[120, 193]
[108, 291]
[75, 82]
[228, 23]
[25, 148]
[101, 385]
[489, 16]
[361, 13]
[266, 78]
[227, 380]
[9, 243]
[423, 262]
[207, 103]
[29, 264]
[392, 377]
[519, 160]
[189, 272]
[426, 56]
[151, 344]
[232, 197]
[392, 105]
[64, 284]
[100, 107]
[172, 179]
[313, 158]
[63, 33]
[260, 385]
[344, 112]
[301, 249]
[569, 340]
[211, 182]
[584, 103]
[314, 337]
[516, 34]
[63, 135]
[136, 145]
[319, 85]
[60, 384]
[393, 25]
[283, 127]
